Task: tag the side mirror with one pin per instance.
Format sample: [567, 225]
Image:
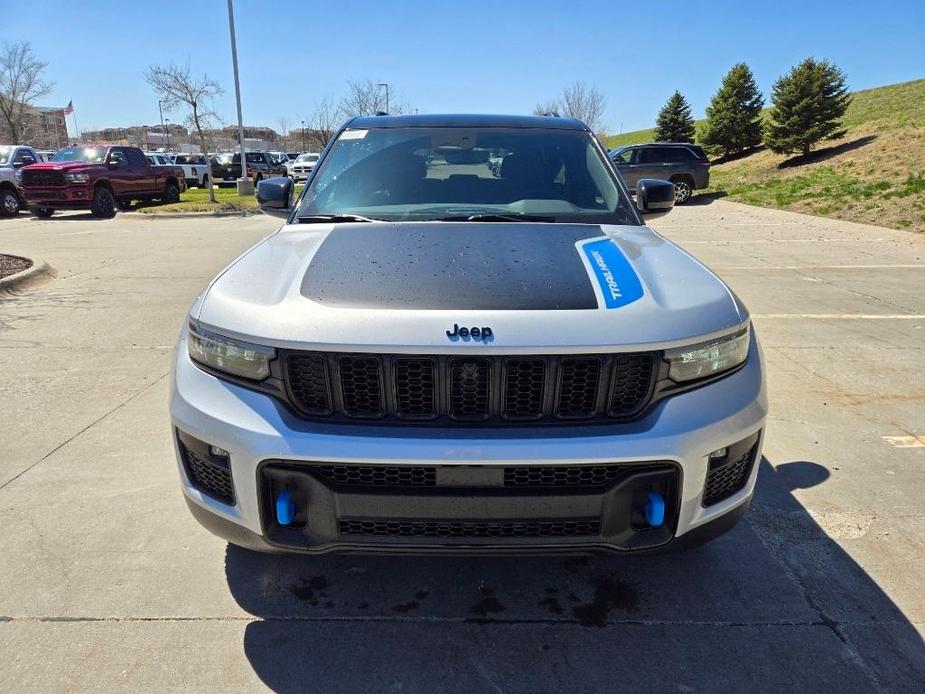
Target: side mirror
[654, 195]
[274, 196]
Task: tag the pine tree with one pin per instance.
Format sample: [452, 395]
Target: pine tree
[734, 114]
[807, 107]
[674, 122]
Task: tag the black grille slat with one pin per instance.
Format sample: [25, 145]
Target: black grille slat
[470, 388]
[524, 388]
[377, 475]
[211, 478]
[308, 383]
[474, 529]
[491, 389]
[631, 382]
[579, 379]
[727, 478]
[42, 178]
[361, 386]
[415, 387]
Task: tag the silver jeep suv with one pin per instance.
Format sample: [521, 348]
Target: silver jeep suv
[682, 163]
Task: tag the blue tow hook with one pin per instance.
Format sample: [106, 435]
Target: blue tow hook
[655, 510]
[285, 508]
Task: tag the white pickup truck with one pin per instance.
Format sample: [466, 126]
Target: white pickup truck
[195, 167]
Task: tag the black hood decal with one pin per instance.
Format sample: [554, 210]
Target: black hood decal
[445, 265]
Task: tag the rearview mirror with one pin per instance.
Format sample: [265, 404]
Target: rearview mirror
[274, 196]
[654, 195]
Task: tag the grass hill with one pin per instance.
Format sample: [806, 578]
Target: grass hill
[875, 174]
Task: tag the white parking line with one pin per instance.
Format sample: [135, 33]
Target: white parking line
[898, 266]
[843, 316]
[905, 441]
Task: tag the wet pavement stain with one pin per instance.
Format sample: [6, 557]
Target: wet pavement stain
[551, 604]
[609, 594]
[406, 607]
[306, 589]
[486, 606]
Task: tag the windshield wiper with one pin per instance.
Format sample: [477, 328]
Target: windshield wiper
[332, 218]
[495, 217]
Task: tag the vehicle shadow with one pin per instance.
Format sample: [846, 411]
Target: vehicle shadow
[705, 198]
[775, 604]
[827, 152]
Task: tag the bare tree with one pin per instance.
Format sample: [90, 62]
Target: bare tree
[21, 84]
[175, 85]
[367, 98]
[322, 122]
[585, 102]
[283, 124]
[548, 108]
[579, 100]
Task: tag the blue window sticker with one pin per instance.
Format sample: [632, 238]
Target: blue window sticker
[618, 282]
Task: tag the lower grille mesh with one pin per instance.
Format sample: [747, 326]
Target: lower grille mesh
[728, 478]
[419, 528]
[377, 475]
[212, 479]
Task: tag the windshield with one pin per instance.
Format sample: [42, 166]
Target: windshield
[441, 173]
[307, 157]
[91, 155]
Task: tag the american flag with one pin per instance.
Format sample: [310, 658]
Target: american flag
[69, 109]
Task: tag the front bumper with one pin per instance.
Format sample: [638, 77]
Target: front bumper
[70, 197]
[270, 449]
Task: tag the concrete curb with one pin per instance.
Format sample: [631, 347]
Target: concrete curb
[35, 272]
[185, 215]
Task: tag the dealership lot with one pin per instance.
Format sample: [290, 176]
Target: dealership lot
[105, 579]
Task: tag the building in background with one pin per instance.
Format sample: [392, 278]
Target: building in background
[44, 127]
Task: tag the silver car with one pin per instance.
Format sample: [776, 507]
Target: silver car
[428, 356]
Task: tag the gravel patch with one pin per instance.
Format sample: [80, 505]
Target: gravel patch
[11, 264]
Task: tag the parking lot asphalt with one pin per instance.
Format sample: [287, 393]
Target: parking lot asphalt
[106, 582]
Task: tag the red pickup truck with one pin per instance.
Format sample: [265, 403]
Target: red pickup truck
[98, 178]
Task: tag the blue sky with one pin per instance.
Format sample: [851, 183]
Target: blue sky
[471, 56]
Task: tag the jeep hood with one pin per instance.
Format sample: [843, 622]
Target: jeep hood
[401, 287]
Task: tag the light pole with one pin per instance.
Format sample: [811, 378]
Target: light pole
[244, 186]
[383, 84]
[303, 135]
[161, 111]
[167, 132]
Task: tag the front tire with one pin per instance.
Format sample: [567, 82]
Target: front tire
[682, 190]
[204, 183]
[171, 194]
[9, 204]
[104, 204]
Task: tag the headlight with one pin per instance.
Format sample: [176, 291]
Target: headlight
[77, 178]
[708, 358]
[229, 355]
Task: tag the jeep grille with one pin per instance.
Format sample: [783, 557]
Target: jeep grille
[485, 389]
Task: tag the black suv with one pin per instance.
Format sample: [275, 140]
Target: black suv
[682, 163]
[260, 165]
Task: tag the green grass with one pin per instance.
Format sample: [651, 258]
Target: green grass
[197, 200]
